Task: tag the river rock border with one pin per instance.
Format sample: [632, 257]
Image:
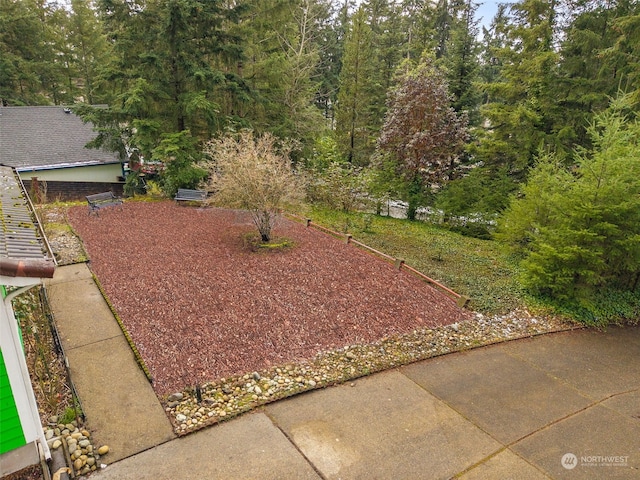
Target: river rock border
[75, 442]
[210, 403]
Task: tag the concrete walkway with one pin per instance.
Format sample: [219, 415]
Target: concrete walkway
[121, 408]
[561, 406]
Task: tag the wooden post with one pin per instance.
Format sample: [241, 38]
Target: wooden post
[398, 264]
[347, 238]
[35, 190]
[308, 222]
[463, 301]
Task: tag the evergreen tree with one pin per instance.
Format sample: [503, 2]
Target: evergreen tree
[19, 45]
[356, 121]
[302, 54]
[595, 63]
[442, 22]
[54, 72]
[329, 42]
[388, 41]
[87, 50]
[31, 45]
[171, 71]
[283, 54]
[461, 63]
[180, 154]
[579, 231]
[479, 190]
[623, 56]
[522, 113]
[481, 193]
[417, 21]
[494, 41]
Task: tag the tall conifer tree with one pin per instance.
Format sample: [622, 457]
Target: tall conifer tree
[356, 122]
[522, 113]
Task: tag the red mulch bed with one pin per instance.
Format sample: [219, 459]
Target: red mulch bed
[200, 305]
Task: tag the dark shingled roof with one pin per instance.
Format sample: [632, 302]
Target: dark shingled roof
[37, 138]
[24, 251]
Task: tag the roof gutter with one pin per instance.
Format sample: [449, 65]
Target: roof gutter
[38, 224]
[60, 166]
[30, 268]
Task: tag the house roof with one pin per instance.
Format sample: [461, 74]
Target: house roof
[24, 250]
[42, 138]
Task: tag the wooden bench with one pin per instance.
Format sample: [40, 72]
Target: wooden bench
[187, 195]
[102, 200]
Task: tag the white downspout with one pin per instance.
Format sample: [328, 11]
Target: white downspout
[19, 373]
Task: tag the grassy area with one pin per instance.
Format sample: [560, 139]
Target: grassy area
[480, 269]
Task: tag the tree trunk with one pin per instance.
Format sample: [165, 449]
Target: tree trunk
[412, 209]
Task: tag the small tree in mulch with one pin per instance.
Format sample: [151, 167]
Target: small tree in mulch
[253, 173]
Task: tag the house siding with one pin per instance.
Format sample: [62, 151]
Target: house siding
[72, 190]
[105, 173]
[11, 434]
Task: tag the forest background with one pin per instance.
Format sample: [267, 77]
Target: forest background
[524, 125]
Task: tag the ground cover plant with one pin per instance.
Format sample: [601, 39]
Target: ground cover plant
[200, 305]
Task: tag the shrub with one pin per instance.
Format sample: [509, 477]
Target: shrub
[255, 174]
[578, 230]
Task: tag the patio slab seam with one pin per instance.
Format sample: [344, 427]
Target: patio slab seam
[93, 361]
[508, 445]
[293, 444]
[597, 403]
[69, 348]
[458, 412]
[555, 378]
[495, 454]
[597, 399]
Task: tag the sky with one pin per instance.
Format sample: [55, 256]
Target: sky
[487, 11]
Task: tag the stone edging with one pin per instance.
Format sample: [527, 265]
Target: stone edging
[210, 403]
[125, 332]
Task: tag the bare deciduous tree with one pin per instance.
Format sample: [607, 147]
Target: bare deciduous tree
[253, 173]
